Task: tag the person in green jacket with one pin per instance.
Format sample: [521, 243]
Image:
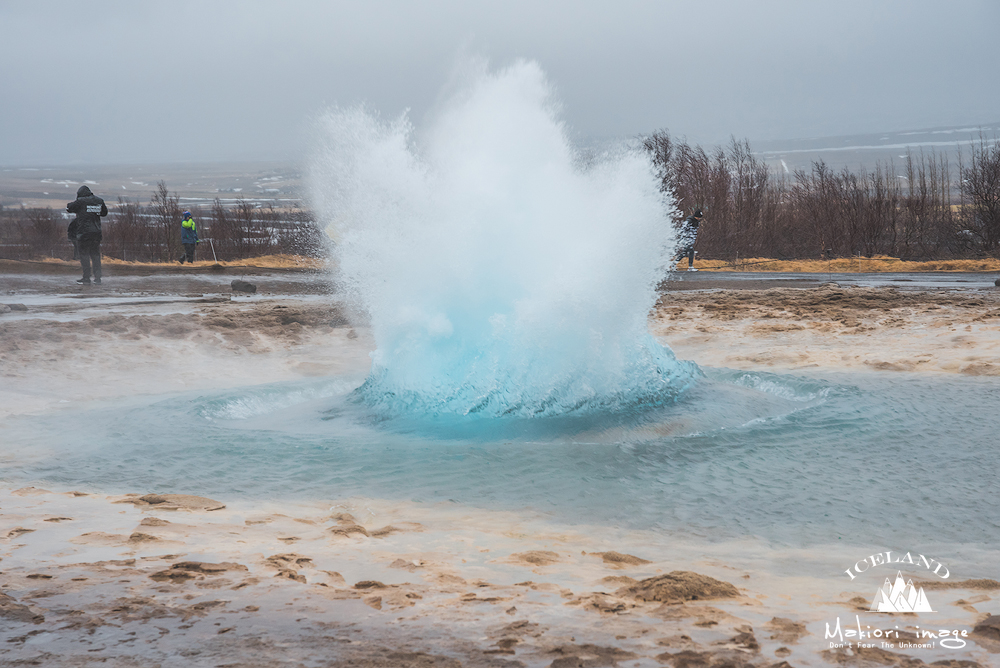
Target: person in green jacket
[189, 238]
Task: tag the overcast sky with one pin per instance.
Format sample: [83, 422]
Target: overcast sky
[105, 82]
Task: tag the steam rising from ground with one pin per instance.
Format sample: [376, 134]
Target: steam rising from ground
[502, 276]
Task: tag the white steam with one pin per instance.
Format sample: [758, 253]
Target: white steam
[501, 276]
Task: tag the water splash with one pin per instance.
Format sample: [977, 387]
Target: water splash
[502, 275]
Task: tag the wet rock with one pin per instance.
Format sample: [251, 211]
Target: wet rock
[989, 628]
[138, 537]
[693, 659]
[997, 282]
[15, 532]
[281, 560]
[153, 522]
[290, 574]
[603, 603]
[16, 307]
[503, 646]
[869, 656]
[242, 286]
[288, 565]
[859, 603]
[4, 309]
[207, 605]
[744, 639]
[145, 609]
[588, 656]
[407, 565]
[536, 557]
[863, 657]
[679, 586]
[186, 570]
[385, 658]
[785, 630]
[336, 577]
[677, 642]
[30, 491]
[173, 502]
[703, 615]
[212, 569]
[99, 538]
[619, 559]
[348, 530]
[370, 584]
[11, 610]
[985, 584]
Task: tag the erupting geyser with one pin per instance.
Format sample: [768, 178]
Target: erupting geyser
[501, 275]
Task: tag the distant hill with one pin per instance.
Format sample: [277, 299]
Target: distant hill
[854, 151]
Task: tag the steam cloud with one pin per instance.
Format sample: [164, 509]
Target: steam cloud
[502, 275]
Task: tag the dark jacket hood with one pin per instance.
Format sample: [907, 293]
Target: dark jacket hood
[83, 191]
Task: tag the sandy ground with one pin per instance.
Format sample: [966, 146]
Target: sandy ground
[155, 579]
[832, 327]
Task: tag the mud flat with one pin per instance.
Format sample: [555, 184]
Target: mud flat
[162, 579]
[834, 327]
[158, 578]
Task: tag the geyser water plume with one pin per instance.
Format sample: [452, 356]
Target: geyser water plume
[501, 275]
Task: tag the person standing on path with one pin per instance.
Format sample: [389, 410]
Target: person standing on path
[687, 237]
[189, 238]
[89, 209]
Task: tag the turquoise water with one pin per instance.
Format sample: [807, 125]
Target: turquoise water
[792, 459]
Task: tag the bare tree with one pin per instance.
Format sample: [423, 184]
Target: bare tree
[980, 188]
[126, 236]
[166, 210]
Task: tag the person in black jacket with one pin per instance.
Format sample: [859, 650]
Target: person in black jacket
[89, 209]
[687, 237]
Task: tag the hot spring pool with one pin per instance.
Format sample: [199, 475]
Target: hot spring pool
[794, 460]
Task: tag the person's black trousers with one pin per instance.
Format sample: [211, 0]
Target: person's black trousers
[689, 252]
[90, 254]
[188, 253]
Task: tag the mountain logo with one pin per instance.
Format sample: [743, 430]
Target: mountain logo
[900, 596]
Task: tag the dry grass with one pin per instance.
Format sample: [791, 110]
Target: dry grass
[282, 262]
[264, 261]
[847, 265]
[878, 263]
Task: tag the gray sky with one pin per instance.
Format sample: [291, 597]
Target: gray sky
[104, 81]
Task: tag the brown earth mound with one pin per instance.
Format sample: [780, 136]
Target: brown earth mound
[536, 558]
[174, 502]
[679, 586]
[619, 559]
